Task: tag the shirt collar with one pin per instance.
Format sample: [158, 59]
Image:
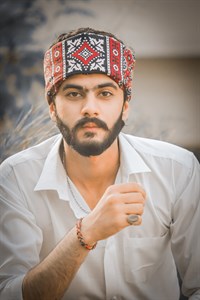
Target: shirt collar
[53, 176]
[131, 161]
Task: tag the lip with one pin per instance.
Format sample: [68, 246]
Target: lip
[90, 126]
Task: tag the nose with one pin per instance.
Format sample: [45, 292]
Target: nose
[90, 106]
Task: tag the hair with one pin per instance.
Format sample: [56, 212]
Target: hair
[72, 33]
[69, 34]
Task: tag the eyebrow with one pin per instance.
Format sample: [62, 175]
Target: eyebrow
[72, 86]
[81, 88]
[107, 84]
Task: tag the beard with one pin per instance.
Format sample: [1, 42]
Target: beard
[89, 147]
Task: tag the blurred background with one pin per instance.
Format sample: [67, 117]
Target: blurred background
[165, 35]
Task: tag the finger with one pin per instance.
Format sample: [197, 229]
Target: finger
[126, 188]
[137, 209]
[129, 198]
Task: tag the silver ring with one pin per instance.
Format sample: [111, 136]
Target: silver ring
[131, 219]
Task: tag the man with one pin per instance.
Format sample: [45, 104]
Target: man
[94, 213]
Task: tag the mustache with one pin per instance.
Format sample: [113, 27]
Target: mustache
[99, 123]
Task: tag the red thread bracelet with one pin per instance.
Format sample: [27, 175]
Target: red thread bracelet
[80, 236]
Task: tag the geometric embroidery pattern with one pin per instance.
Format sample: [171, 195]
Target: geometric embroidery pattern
[85, 53]
[89, 53]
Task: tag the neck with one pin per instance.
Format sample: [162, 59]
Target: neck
[93, 168]
[92, 175]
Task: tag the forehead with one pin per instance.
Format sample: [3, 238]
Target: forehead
[89, 80]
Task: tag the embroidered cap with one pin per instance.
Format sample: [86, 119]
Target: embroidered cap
[88, 53]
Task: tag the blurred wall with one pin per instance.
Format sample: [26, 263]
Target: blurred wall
[166, 103]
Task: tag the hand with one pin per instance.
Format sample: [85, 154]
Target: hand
[110, 214]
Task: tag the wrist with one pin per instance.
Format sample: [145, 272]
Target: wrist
[84, 238]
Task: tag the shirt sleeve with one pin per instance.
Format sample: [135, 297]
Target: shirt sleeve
[186, 227]
[20, 237]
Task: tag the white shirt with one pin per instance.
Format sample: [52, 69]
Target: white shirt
[37, 210]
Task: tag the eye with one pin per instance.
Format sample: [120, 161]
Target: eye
[73, 95]
[106, 94]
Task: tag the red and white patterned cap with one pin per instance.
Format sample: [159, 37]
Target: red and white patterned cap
[88, 53]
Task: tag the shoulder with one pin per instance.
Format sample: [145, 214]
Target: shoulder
[30, 155]
[160, 150]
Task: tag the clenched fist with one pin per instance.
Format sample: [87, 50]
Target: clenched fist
[111, 213]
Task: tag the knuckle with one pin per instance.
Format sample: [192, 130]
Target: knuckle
[141, 209]
[111, 189]
[111, 199]
[142, 199]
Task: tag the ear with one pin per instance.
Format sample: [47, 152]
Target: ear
[125, 111]
[52, 111]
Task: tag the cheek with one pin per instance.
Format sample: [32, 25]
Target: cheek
[113, 115]
[66, 113]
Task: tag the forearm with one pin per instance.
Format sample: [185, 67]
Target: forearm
[51, 278]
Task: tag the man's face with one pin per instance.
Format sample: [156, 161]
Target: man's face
[89, 111]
